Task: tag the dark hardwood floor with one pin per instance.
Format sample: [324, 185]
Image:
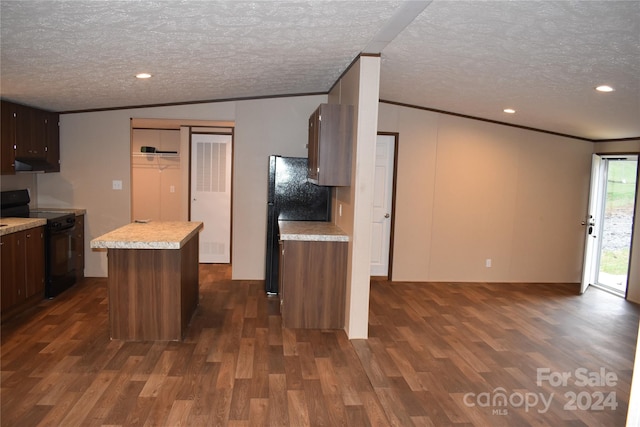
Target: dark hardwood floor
[439, 354]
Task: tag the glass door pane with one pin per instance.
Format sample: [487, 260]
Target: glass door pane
[617, 223]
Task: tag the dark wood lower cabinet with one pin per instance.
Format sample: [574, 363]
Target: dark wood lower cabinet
[13, 268]
[22, 275]
[34, 264]
[313, 284]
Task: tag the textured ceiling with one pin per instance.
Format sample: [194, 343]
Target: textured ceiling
[542, 58]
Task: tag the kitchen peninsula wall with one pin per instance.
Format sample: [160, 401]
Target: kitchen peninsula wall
[358, 87]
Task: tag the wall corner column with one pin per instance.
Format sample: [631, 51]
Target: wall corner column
[359, 87]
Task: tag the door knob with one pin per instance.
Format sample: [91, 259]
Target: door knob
[387, 215]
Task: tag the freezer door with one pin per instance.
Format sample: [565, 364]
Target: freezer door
[296, 198]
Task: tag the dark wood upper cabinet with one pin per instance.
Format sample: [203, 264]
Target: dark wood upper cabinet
[34, 147]
[30, 135]
[329, 145]
[52, 138]
[8, 137]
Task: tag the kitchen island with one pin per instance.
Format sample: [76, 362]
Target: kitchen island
[152, 279]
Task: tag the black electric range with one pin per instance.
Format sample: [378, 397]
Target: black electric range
[60, 247]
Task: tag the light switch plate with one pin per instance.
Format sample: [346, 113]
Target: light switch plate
[117, 184]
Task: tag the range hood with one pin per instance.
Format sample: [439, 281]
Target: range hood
[31, 165]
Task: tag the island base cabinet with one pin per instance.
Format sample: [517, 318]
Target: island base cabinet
[153, 293]
[313, 284]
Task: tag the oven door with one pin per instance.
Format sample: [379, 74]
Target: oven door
[61, 256]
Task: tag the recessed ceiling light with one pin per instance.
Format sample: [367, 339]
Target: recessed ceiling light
[143, 75]
[604, 88]
[509, 111]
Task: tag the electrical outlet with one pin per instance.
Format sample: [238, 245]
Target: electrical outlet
[172, 189]
[487, 263]
[116, 184]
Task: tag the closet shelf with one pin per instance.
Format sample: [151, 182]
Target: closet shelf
[167, 155]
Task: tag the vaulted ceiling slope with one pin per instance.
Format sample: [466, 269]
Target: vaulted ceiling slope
[475, 58]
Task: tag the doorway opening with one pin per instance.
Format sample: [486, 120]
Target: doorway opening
[181, 170]
[617, 223]
[610, 227]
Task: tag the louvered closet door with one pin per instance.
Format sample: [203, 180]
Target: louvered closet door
[211, 194]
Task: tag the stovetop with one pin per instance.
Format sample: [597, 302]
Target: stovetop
[55, 220]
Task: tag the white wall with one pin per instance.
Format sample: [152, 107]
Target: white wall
[633, 413]
[468, 191]
[19, 182]
[95, 149]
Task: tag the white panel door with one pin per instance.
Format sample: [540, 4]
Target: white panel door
[382, 200]
[593, 224]
[211, 195]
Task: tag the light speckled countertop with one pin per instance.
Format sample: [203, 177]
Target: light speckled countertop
[151, 235]
[13, 225]
[315, 231]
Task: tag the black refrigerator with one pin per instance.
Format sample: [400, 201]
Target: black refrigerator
[290, 197]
